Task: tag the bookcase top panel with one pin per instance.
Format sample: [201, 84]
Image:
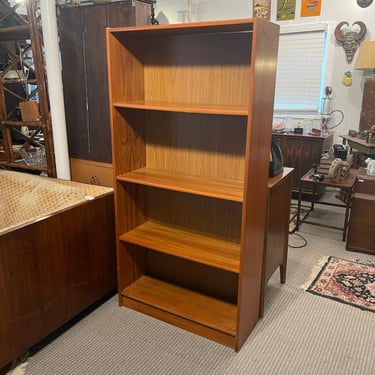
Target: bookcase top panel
[193, 27]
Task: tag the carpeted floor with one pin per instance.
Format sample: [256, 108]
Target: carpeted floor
[299, 334]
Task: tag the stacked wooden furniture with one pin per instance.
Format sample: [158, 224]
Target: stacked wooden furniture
[325, 164]
[83, 54]
[191, 114]
[23, 80]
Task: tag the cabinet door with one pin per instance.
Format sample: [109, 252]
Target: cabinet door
[361, 225]
[83, 50]
[73, 74]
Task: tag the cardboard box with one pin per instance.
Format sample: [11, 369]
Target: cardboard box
[91, 172]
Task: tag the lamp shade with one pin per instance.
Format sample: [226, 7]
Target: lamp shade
[366, 56]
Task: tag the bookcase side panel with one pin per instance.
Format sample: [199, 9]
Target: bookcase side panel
[125, 68]
[259, 133]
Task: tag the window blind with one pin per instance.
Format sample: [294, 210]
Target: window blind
[300, 70]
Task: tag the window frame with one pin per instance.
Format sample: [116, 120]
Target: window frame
[313, 110]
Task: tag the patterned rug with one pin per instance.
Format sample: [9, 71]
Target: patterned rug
[293, 215]
[350, 282]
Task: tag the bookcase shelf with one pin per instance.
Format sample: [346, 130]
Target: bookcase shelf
[210, 187]
[191, 117]
[207, 311]
[185, 107]
[187, 245]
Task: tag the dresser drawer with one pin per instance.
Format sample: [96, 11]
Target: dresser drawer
[361, 234]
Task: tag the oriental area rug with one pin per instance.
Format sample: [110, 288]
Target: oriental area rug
[350, 282]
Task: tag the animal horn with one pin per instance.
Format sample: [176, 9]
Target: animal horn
[362, 31]
[339, 35]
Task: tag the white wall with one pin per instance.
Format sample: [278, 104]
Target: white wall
[348, 99]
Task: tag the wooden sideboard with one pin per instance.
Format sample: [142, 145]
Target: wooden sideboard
[301, 151]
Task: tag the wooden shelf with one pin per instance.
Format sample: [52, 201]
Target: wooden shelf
[210, 27]
[185, 107]
[231, 190]
[24, 166]
[21, 123]
[187, 245]
[20, 32]
[192, 306]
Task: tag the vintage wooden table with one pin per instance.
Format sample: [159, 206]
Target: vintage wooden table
[346, 184]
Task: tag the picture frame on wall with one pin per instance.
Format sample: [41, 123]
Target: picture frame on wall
[286, 10]
[262, 9]
[310, 8]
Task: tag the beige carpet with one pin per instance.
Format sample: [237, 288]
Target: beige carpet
[300, 333]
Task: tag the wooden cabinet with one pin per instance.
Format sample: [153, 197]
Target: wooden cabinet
[23, 86]
[301, 151]
[51, 270]
[83, 54]
[277, 234]
[191, 114]
[361, 223]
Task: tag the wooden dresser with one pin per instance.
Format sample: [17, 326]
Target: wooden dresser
[301, 151]
[361, 235]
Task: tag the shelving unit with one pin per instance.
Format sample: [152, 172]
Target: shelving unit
[21, 45]
[191, 109]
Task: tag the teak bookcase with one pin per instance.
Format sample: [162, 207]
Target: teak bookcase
[191, 110]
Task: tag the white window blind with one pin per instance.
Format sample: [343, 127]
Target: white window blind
[300, 70]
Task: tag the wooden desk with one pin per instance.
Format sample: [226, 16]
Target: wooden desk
[359, 144]
[276, 237]
[346, 184]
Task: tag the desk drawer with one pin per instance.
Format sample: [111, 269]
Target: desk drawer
[365, 184]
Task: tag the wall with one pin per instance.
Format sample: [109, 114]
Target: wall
[348, 99]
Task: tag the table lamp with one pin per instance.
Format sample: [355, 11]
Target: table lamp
[366, 61]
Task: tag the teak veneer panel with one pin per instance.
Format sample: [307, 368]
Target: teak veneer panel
[205, 310]
[187, 245]
[207, 146]
[210, 187]
[188, 107]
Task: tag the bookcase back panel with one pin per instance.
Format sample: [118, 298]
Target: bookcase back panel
[211, 146]
[205, 69]
[207, 280]
[208, 69]
[213, 217]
